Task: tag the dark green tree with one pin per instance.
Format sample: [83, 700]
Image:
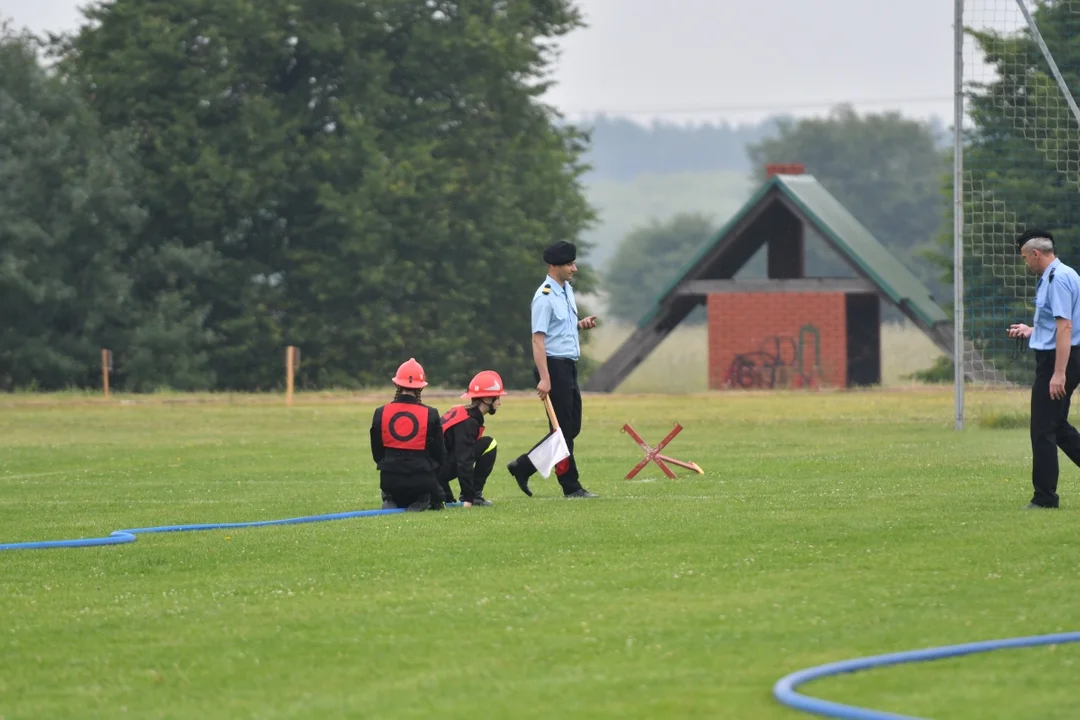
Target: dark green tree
[372, 181]
[68, 214]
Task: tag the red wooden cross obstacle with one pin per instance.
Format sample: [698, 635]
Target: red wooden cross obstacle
[654, 455]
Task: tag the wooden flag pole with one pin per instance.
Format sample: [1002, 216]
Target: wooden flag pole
[551, 412]
[289, 369]
[105, 370]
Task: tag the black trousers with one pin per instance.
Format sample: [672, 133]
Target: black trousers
[566, 401]
[414, 492]
[484, 459]
[1050, 428]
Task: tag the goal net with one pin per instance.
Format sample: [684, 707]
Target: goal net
[1020, 163]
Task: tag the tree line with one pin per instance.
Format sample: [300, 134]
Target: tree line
[197, 184]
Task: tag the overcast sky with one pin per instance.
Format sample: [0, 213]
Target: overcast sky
[739, 60]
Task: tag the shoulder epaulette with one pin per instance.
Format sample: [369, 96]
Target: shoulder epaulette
[546, 290]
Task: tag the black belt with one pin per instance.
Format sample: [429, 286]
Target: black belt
[1044, 353]
[565, 360]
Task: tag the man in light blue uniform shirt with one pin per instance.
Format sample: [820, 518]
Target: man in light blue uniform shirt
[1055, 338]
[556, 348]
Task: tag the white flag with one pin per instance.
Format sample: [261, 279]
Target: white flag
[549, 452]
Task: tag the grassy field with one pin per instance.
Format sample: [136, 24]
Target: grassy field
[827, 526]
[680, 363]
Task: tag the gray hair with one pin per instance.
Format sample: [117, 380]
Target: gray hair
[1043, 245]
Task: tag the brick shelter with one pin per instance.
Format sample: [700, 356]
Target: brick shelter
[754, 340]
[786, 330]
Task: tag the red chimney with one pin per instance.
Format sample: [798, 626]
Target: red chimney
[784, 169]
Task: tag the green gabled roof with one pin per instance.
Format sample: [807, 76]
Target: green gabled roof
[864, 251]
[848, 236]
[706, 249]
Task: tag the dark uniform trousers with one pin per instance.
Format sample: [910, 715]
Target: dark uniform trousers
[1050, 428]
[485, 463]
[414, 491]
[566, 401]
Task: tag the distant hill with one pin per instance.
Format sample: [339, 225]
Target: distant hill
[623, 150]
[623, 206]
[643, 173]
[653, 172]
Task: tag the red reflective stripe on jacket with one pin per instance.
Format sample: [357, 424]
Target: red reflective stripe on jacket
[456, 415]
[453, 416]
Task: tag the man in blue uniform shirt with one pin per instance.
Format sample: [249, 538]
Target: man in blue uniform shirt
[1055, 338]
[556, 348]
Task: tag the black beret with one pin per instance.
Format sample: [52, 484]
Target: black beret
[561, 253]
[1022, 239]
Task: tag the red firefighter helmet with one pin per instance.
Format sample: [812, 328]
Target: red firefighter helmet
[410, 375]
[486, 383]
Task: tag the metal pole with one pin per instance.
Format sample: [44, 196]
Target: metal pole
[958, 213]
[1050, 60]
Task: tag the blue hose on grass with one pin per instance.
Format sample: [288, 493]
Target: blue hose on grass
[122, 537]
[784, 690]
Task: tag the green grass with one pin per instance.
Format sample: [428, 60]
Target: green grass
[1004, 420]
[827, 526]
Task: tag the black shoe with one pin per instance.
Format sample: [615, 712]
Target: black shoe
[481, 502]
[1035, 506]
[388, 502]
[581, 493]
[421, 504]
[520, 476]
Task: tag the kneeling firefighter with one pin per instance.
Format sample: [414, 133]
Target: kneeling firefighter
[470, 455]
[407, 445]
